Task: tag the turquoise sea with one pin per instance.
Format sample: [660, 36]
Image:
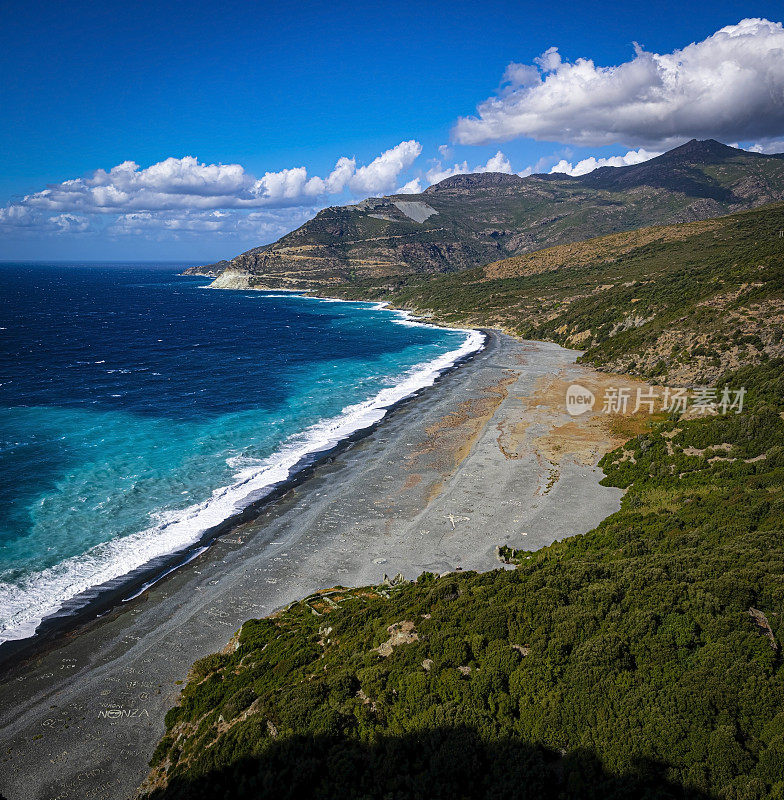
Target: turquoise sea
[139, 409]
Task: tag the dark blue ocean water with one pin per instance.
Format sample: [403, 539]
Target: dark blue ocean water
[138, 409]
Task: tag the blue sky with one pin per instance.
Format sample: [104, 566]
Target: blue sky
[270, 87]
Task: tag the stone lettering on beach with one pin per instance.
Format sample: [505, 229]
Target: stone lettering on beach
[123, 713]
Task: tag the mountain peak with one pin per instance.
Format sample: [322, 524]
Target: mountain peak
[703, 149]
[678, 170]
[474, 180]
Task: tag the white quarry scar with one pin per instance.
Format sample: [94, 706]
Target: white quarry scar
[415, 209]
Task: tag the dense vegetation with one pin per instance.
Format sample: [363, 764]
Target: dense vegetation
[642, 659]
[672, 303]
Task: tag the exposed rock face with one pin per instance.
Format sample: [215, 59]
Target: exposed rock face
[472, 220]
[231, 278]
[417, 210]
[210, 270]
[708, 359]
[399, 633]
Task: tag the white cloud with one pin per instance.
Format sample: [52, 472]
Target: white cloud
[70, 223]
[172, 176]
[412, 187]
[286, 186]
[336, 181]
[16, 217]
[521, 75]
[550, 60]
[181, 195]
[590, 164]
[186, 183]
[438, 171]
[380, 175]
[200, 221]
[268, 223]
[497, 163]
[768, 147]
[729, 86]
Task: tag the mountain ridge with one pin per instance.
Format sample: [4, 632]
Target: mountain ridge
[473, 219]
[683, 303]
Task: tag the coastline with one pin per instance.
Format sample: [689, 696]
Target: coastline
[334, 435]
[480, 460]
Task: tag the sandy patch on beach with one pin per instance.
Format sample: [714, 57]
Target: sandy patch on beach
[451, 438]
[585, 438]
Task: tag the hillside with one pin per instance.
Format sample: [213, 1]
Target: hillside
[680, 303]
[642, 659]
[471, 220]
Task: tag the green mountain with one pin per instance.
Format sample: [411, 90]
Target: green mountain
[471, 220]
[678, 303]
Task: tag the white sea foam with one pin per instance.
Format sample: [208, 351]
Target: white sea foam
[23, 606]
[290, 295]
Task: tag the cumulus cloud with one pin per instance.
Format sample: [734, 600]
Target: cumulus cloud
[590, 164]
[173, 221]
[269, 223]
[768, 147]
[27, 219]
[380, 175]
[70, 223]
[184, 195]
[16, 216]
[438, 171]
[412, 187]
[497, 163]
[186, 183]
[729, 86]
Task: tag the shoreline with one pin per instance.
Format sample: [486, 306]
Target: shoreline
[101, 599]
[479, 461]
